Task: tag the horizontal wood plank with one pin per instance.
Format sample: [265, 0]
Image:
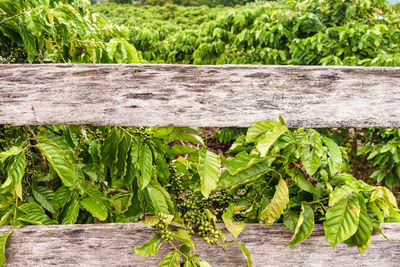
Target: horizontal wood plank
[112, 245]
[204, 96]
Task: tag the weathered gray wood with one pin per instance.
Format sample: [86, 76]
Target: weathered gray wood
[112, 245]
[212, 96]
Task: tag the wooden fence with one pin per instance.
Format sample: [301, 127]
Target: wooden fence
[206, 96]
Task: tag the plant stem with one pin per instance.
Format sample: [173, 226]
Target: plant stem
[316, 201]
[177, 249]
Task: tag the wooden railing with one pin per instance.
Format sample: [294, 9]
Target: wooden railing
[205, 96]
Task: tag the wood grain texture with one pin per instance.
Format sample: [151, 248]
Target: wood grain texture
[112, 245]
[204, 96]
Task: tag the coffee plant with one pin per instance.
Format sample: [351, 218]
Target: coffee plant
[86, 174]
[60, 31]
[308, 32]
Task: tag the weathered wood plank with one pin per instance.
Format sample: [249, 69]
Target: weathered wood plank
[209, 96]
[112, 245]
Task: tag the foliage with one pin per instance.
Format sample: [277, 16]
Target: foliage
[75, 174]
[210, 3]
[60, 31]
[309, 32]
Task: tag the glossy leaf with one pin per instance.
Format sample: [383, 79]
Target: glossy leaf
[304, 226]
[247, 254]
[234, 227]
[268, 138]
[257, 129]
[72, 213]
[278, 203]
[109, 150]
[15, 171]
[94, 208]
[61, 197]
[10, 152]
[342, 220]
[3, 240]
[364, 231]
[44, 196]
[151, 247]
[145, 165]
[59, 163]
[335, 160]
[123, 151]
[31, 208]
[171, 260]
[160, 198]
[209, 171]
[183, 236]
[36, 218]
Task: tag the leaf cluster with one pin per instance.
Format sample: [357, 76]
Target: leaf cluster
[61, 31]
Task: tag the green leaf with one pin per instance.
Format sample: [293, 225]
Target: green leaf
[145, 165]
[61, 197]
[250, 173]
[290, 218]
[364, 247]
[72, 213]
[8, 153]
[171, 260]
[267, 139]
[31, 208]
[183, 236]
[309, 158]
[180, 134]
[364, 231]
[59, 163]
[182, 149]
[3, 240]
[203, 263]
[258, 128]
[160, 198]
[298, 177]
[342, 220]
[278, 204]
[351, 11]
[335, 159]
[95, 194]
[151, 247]
[209, 170]
[43, 196]
[343, 191]
[109, 149]
[94, 208]
[383, 192]
[304, 226]
[240, 162]
[123, 152]
[36, 218]
[247, 254]
[15, 170]
[60, 142]
[234, 227]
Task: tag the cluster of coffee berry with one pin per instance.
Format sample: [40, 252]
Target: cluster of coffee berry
[12, 54]
[196, 219]
[140, 133]
[163, 228]
[207, 230]
[175, 186]
[219, 202]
